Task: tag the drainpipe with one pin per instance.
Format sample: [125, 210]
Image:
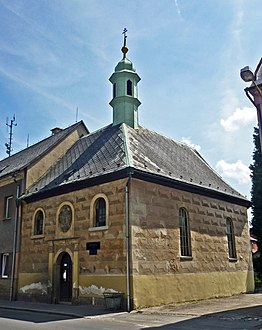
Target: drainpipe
[11, 297]
[128, 245]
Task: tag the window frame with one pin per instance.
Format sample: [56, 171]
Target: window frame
[8, 206]
[231, 242]
[100, 212]
[184, 234]
[129, 87]
[4, 265]
[93, 213]
[114, 90]
[35, 234]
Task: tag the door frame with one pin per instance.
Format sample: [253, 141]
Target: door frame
[65, 277]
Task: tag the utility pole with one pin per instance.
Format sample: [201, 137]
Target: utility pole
[9, 145]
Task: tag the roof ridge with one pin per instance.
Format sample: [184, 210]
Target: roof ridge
[22, 158]
[129, 161]
[43, 140]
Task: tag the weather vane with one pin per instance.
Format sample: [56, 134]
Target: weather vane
[124, 48]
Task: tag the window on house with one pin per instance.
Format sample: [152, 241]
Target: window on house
[4, 265]
[230, 239]
[100, 212]
[129, 87]
[8, 207]
[114, 90]
[185, 241]
[39, 223]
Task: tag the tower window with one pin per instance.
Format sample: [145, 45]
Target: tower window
[114, 90]
[129, 87]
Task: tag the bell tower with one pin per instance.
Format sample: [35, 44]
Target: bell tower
[124, 80]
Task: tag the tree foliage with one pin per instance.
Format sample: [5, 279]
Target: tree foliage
[256, 199]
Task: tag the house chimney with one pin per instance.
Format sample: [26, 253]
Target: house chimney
[56, 130]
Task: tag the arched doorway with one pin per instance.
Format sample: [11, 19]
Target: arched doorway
[65, 277]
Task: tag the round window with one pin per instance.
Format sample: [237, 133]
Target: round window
[65, 218]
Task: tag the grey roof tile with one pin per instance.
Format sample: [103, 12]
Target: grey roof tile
[154, 153]
[24, 158]
[92, 155]
[113, 148]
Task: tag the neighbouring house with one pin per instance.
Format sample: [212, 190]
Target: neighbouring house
[128, 210]
[17, 174]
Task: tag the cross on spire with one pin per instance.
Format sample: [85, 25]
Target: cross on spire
[124, 33]
[124, 48]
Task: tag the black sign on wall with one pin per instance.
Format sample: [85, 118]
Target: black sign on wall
[92, 247]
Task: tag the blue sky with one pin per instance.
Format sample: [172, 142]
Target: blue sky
[57, 55]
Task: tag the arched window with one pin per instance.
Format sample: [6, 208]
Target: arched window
[100, 212]
[185, 240]
[231, 239]
[39, 223]
[129, 87]
[114, 90]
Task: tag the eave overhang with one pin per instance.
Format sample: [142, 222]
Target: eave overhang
[140, 175]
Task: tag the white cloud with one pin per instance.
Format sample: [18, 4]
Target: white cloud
[190, 144]
[239, 118]
[237, 171]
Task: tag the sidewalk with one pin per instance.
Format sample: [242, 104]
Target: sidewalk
[199, 308]
[66, 309]
[210, 306]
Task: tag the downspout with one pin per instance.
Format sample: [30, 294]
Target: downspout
[14, 242]
[128, 245]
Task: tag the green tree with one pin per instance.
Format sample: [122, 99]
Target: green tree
[256, 199]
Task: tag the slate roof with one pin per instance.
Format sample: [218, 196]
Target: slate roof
[114, 148]
[26, 157]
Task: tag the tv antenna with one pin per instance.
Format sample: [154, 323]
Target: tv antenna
[11, 125]
[76, 114]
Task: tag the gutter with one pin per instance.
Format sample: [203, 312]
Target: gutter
[128, 270]
[14, 254]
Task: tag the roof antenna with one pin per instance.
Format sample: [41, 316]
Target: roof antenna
[76, 114]
[9, 145]
[27, 141]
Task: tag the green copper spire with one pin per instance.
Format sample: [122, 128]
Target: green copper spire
[125, 102]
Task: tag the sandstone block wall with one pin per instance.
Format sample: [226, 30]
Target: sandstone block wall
[156, 246]
[110, 258]
[158, 273]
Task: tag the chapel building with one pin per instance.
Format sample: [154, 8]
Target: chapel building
[128, 210]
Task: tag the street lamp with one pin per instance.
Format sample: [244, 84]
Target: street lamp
[246, 74]
[254, 92]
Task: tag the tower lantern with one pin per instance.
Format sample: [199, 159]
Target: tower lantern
[125, 101]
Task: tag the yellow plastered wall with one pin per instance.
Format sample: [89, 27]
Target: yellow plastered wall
[95, 285]
[38, 169]
[31, 278]
[151, 290]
